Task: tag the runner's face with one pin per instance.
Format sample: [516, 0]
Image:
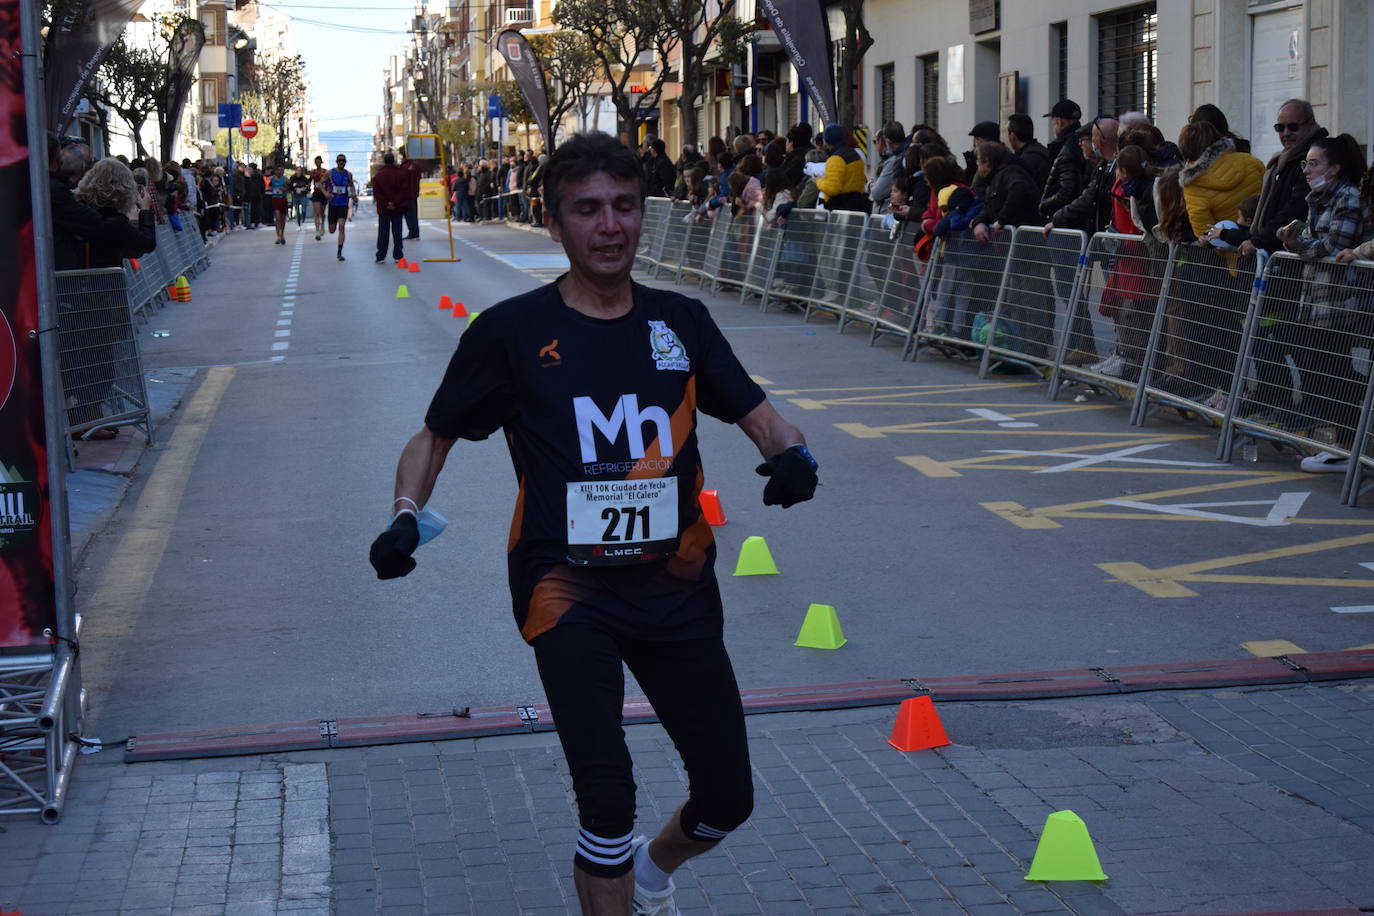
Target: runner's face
[598, 225]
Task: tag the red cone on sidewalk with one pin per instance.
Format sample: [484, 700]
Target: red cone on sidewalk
[445, 302]
[710, 507]
[133, 262]
[918, 726]
[414, 267]
[459, 311]
[402, 264]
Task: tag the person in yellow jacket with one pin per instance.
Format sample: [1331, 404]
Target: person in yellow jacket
[1215, 177]
[844, 180]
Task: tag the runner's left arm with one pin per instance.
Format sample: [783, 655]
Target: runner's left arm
[421, 461]
[789, 467]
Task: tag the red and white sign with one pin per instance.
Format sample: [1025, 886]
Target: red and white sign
[249, 128]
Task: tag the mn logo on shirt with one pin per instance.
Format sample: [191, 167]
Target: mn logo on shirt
[668, 351]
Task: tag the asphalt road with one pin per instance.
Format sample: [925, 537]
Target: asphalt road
[233, 588]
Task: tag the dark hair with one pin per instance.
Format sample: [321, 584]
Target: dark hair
[726, 160]
[1146, 136]
[657, 146]
[775, 181]
[893, 132]
[1213, 116]
[1345, 152]
[751, 165]
[584, 155]
[1249, 205]
[1133, 160]
[940, 171]
[993, 153]
[1021, 127]
[1173, 211]
[1195, 138]
[800, 134]
[388, 158]
[775, 153]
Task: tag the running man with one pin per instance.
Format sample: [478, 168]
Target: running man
[343, 193]
[277, 189]
[319, 197]
[595, 381]
[300, 194]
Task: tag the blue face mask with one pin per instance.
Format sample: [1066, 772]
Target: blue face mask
[431, 525]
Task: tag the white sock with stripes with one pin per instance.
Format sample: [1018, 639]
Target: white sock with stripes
[648, 875]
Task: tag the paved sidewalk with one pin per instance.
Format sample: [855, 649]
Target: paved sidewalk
[1246, 799]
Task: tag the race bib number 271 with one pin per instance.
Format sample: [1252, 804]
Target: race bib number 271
[616, 522]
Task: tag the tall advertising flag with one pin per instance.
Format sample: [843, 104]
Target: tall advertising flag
[182, 55]
[27, 595]
[801, 27]
[79, 39]
[524, 65]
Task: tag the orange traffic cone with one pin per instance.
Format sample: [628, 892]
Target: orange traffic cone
[459, 311]
[918, 726]
[133, 262]
[402, 264]
[710, 507]
[445, 302]
[414, 267]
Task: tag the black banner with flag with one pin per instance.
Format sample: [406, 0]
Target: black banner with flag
[79, 38]
[801, 27]
[524, 66]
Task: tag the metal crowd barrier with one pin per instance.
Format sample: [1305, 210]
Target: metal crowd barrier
[178, 253]
[1276, 348]
[675, 229]
[102, 370]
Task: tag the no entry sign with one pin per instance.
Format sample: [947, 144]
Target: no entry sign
[249, 128]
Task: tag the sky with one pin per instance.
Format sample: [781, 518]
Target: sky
[345, 44]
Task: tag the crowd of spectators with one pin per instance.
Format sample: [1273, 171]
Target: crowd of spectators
[505, 188]
[1115, 173]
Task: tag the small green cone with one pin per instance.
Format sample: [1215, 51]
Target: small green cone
[755, 559]
[472, 316]
[402, 292]
[820, 629]
[1065, 851]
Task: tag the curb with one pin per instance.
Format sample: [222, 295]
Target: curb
[360, 731]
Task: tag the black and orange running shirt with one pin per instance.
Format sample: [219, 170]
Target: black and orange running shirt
[600, 419]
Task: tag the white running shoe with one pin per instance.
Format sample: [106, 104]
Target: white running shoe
[1320, 463]
[1113, 365]
[652, 903]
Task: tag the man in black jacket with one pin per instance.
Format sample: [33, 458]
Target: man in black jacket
[794, 163]
[1030, 152]
[1065, 180]
[1283, 193]
[659, 174]
[1091, 210]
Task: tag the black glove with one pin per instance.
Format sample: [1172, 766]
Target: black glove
[391, 552]
[792, 477]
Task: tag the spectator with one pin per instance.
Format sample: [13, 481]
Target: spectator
[844, 178]
[1065, 181]
[659, 174]
[714, 148]
[891, 145]
[486, 187]
[945, 313]
[983, 132]
[1010, 196]
[391, 188]
[1214, 116]
[750, 196]
[413, 169]
[1215, 177]
[126, 226]
[1029, 152]
[1091, 210]
[1336, 218]
[809, 197]
[794, 163]
[1283, 195]
[777, 193]
[742, 145]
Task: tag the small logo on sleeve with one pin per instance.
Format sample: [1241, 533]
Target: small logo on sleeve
[667, 349]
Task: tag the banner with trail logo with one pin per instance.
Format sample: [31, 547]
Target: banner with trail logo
[182, 56]
[27, 596]
[801, 27]
[79, 38]
[524, 66]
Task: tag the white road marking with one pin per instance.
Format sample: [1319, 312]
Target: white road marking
[1355, 608]
[283, 322]
[281, 333]
[1001, 419]
[1083, 461]
[1285, 507]
[281, 345]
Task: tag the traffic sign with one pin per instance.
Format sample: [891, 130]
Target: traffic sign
[494, 107]
[249, 128]
[230, 114]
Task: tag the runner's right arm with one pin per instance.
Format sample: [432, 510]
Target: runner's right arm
[421, 461]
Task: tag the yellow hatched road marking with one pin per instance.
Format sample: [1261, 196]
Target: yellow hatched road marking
[1268, 648]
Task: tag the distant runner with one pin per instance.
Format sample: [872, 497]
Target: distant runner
[343, 192]
[319, 197]
[277, 189]
[300, 194]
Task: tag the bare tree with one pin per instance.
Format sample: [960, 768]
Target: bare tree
[569, 66]
[128, 84]
[281, 85]
[626, 40]
[854, 45]
[696, 29]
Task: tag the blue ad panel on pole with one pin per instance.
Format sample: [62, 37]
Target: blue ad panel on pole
[230, 114]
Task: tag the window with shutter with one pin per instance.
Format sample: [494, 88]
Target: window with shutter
[1128, 61]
